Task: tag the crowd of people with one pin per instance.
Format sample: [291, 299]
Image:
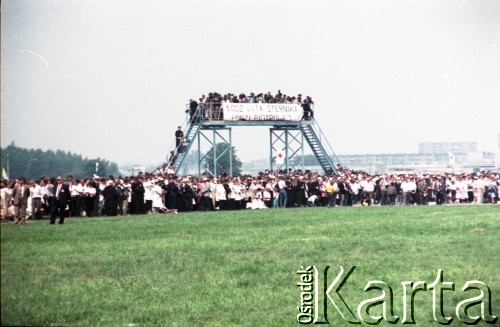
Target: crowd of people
[162, 192]
[210, 107]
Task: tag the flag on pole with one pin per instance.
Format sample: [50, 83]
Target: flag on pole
[451, 159]
[280, 158]
[4, 174]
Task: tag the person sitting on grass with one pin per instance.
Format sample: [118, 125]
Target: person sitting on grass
[257, 202]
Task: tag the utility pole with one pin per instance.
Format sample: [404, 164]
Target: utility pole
[8, 166]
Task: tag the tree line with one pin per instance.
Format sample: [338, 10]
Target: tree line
[34, 163]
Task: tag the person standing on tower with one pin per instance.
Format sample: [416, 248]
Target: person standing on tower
[193, 116]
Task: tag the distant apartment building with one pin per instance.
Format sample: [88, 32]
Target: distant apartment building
[447, 147]
[432, 156]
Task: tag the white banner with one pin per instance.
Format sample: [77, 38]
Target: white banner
[262, 111]
[280, 158]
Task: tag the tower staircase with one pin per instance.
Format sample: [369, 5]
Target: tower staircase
[320, 147]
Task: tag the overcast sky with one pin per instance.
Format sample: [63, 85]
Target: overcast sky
[111, 78]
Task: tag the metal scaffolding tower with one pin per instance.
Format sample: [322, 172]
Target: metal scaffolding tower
[286, 146]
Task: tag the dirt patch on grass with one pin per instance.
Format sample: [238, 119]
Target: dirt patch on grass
[312, 238]
[478, 230]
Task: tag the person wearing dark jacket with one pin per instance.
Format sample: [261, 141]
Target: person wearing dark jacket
[110, 195]
[193, 116]
[137, 203]
[188, 194]
[299, 196]
[20, 195]
[172, 193]
[62, 197]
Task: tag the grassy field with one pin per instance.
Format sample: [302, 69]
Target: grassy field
[238, 268]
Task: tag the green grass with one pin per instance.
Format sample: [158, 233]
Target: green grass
[238, 268]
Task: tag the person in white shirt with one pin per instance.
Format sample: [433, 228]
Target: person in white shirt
[257, 202]
[383, 184]
[253, 187]
[267, 193]
[478, 187]
[220, 195]
[244, 195]
[78, 197]
[469, 189]
[406, 188]
[453, 191]
[148, 194]
[205, 194]
[282, 195]
[355, 191]
[6, 197]
[90, 194]
[159, 198]
[237, 192]
[368, 188]
[36, 199]
[461, 188]
[43, 186]
[50, 190]
[313, 201]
